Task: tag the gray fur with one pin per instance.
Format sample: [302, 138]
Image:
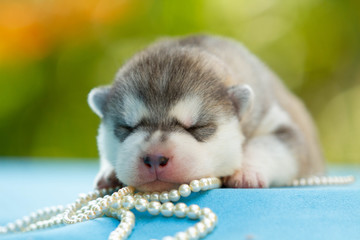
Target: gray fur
[160, 77]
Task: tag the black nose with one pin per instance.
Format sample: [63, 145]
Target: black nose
[155, 161]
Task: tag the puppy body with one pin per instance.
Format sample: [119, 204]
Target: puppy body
[201, 106]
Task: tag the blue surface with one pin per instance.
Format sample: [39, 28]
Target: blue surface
[281, 213]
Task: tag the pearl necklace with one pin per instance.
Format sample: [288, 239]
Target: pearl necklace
[117, 203]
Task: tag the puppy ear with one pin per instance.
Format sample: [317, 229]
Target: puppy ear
[242, 97]
[97, 98]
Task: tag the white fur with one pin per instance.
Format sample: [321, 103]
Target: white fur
[225, 148]
[128, 154]
[96, 99]
[271, 158]
[273, 119]
[134, 111]
[187, 110]
[267, 154]
[243, 98]
[107, 145]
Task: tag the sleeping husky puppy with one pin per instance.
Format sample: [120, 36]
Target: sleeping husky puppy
[201, 106]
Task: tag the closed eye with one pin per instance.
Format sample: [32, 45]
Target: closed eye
[196, 127]
[202, 132]
[125, 127]
[123, 131]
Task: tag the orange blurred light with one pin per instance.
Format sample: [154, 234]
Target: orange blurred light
[22, 33]
[30, 29]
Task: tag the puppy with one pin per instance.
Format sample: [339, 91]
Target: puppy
[201, 106]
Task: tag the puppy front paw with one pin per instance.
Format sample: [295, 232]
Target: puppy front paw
[107, 179]
[246, 178]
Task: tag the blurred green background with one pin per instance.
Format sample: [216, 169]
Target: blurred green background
[52, 52]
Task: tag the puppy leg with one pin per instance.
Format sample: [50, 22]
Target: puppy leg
[267, 161]
[106, 177]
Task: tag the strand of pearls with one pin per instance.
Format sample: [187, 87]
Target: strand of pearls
[117, 203]
[323, 181]
[51, 216]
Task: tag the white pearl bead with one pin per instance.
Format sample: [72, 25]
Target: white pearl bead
[33, 216]
[324, 180]
[208, 224]
[81, 216]
[19, 223]
[147, 196]
[168, 238]
[174, 195]
[201, 228]
[40, 214]
[129, 221]
[39, 225]
[167, 209]
[127, 202]
[126, 226]
[59, 220]
[155, 196]
[115, 203]
[180, 210]
[302, 182]
[317, 180]
[204, 184]
[120, 232]
[212, 217]
[84, 208]
[192, 233]
[125, 214]
[184, 190]
[310, 181]
[181, 236]
[26, 220]
[164, 197]
[11, 227]
[117, 214]
[205, 212]
[141, 204]
[295, 182]
[32, 227]
[105, 203]
[195, 185]
[154, 208]
[216, 183]
[116, 196]
[97, 209]
[90, 214]
[138, 195]
[193, 211]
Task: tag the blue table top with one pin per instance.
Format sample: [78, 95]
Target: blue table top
[330, 212]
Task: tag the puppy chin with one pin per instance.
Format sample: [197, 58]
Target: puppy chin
[157, 186]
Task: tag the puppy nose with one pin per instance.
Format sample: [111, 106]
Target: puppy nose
[155, 161]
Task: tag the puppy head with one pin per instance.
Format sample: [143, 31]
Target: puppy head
[168, 119]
